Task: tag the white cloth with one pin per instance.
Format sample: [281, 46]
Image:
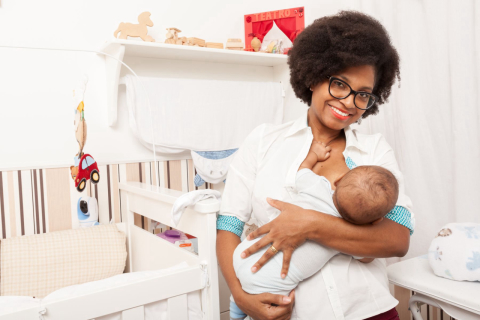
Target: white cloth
[201, 115]
[312, 192]
[266, 166]
[189, 199]
[455, 252]
[212, 170]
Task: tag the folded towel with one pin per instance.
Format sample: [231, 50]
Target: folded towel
[198, 114]
[455, 252]
[189, 199]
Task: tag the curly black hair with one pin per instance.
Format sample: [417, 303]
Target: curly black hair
[334, 43]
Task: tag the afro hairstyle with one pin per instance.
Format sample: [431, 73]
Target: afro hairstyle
[333, 43]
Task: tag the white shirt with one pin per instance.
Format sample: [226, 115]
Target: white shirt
[266, 166]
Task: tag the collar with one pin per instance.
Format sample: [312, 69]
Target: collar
[299, 124]
[350, 134]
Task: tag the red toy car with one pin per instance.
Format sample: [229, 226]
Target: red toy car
[87, 169]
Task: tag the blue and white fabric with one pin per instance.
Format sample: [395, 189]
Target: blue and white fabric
[455, 252]
[212, 166]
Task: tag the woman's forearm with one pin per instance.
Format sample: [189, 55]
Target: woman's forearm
[382, 240]
[226, 244]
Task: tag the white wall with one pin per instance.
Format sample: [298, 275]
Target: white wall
[36, 112]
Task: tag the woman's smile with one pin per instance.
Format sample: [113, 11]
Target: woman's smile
[339, 113]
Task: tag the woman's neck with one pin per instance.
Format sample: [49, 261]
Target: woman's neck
[321, 132]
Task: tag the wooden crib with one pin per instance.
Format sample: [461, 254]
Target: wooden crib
[147, 251]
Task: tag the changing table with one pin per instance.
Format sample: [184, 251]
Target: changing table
[460, 299]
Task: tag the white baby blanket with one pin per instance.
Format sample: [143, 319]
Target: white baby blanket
[201, 115]
[455, 252]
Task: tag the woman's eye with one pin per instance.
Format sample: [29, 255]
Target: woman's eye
[338, 84]
[364, 96]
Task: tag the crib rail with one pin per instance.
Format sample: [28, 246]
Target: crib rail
[200, 221]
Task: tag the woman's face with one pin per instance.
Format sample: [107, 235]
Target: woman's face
[337, 114]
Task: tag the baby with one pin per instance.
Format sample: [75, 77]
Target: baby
[364, 195]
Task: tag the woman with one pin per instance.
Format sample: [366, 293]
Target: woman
[343, 67]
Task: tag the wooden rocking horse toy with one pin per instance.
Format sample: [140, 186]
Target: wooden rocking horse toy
[136, 30]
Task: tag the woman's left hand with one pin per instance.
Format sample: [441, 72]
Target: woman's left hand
[285, 233]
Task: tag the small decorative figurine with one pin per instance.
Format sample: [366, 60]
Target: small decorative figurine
[234, 44]
[214, 45]
[85, 168]
[80, 125]
[136, 30]
[172, 35]
[256, 44]
[196, 42]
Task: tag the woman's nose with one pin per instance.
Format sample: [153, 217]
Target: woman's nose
[349, 101]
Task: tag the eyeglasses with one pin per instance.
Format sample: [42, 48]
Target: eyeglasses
[339, 89]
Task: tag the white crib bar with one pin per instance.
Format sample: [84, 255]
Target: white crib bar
[200, 221]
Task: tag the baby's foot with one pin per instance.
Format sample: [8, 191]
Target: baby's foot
[322, 151]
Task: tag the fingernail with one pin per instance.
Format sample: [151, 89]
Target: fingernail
[248, 237]
[286, 300]
[283, 275]
[254, 269]
[243, 255]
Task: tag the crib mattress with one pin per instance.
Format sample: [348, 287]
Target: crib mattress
[156, 310]
[416, 275]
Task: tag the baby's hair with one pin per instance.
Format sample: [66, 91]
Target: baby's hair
[371, 191]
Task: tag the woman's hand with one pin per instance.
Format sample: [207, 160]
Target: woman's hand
[266, 306]
[285, 233]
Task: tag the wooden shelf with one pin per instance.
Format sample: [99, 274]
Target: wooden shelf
[132, 48]
[177, 52]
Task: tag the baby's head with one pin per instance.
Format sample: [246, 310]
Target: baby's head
[366, 194]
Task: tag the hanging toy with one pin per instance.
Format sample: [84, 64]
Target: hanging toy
[85, 167]
[79, 123]
[87, 211]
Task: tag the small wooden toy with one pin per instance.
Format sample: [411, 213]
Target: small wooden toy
[234, 44]
[172, 36]
[79, 123]
[255, 44]
[196, 42]
[136, 30]
[214, 45]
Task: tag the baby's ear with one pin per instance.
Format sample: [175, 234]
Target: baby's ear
[377, 221]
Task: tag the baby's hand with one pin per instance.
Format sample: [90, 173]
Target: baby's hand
[322, 151]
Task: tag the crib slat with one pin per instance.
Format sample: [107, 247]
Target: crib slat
[177, 308]
[133, 314]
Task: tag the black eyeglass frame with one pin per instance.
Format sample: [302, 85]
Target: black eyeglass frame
[351, 90]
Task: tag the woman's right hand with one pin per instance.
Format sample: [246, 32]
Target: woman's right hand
[259, 306]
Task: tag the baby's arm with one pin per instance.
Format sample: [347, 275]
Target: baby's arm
[318, 152]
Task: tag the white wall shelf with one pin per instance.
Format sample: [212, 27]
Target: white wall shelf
[140, 49]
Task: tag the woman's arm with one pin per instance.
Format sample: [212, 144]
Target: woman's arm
[295, 225]
[257, 306]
